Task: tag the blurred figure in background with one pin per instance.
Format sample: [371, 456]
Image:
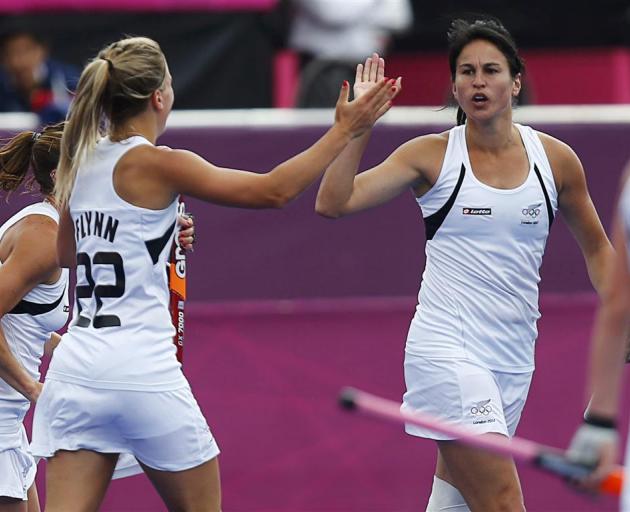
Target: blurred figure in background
[332, 36]
[596, 441]
[32, 82]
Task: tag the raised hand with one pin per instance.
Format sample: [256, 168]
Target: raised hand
[359, 115]
[369, 74]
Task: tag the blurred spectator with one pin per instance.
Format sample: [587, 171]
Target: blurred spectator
[332, 37]
[30, 81]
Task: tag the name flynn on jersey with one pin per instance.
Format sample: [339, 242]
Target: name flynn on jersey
[95, 224]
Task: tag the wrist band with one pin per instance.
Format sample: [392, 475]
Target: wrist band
[600, 421]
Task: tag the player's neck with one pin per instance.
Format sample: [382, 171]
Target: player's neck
[491, 136]
[136, 126]
[50, 199]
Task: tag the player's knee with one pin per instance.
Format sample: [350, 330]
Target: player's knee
[444, 496]
[508, 498]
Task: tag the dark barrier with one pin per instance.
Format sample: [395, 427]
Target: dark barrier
[212, 55]
[293, 252]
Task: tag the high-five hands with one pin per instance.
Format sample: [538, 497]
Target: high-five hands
[373, 96]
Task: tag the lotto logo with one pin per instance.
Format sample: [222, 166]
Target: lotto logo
[476, 211]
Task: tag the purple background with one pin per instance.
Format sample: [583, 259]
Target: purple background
[267, 375]
[266, 372]
[293, 253]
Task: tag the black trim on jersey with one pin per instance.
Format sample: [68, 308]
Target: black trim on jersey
[433, 222]
[547, 201]
[24, 307]
[156, 246]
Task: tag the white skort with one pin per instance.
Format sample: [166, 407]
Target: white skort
[464, 393]
[17, 465]
[164, 430]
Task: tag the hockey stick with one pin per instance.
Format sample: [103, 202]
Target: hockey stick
[544, 457]
[177, 288]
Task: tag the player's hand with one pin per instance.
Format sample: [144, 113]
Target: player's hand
[596, 446]
[358, 116]
[35, 391]
[186, 235]
[371, 73]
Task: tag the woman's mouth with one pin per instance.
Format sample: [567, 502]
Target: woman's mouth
[479, 98]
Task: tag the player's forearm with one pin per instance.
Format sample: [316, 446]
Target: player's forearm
[292, 177]
[13, 373]
[607, 359]
[597, 266]
[338, 182]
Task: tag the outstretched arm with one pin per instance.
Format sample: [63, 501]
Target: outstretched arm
[186, 173]
[343, 192]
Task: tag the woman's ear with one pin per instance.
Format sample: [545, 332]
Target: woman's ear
[157, 101]
[516, 88]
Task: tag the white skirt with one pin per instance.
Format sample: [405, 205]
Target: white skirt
[164, 430]
[17, 465]
[463, 392]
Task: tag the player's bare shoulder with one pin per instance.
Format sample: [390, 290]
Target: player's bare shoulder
[555, 148]
[564, 162]
[426, 154]
[35, 230]
[424, 149]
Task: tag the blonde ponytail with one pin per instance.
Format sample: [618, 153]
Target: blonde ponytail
[84, 126]
[114, 86]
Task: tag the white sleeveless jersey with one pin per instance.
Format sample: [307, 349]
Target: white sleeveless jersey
[624, 213]
[121, 333]
[479, 293]
[29, 324]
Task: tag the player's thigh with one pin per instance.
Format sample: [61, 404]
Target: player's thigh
[488, 482]
[76, 481]
[193, 490]
[33, 499]
[12, 505]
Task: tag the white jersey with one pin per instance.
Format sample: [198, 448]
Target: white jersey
[624, 211]
[29, 325]
[121, 333]
[479, 292]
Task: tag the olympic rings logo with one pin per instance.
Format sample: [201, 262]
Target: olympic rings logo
[531, 212]
[482, 409]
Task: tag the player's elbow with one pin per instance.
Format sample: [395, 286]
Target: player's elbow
[325, 209]
[278, 199]
[617, 305]
[275, 193]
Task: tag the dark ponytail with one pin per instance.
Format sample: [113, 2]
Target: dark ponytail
[36, 151]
